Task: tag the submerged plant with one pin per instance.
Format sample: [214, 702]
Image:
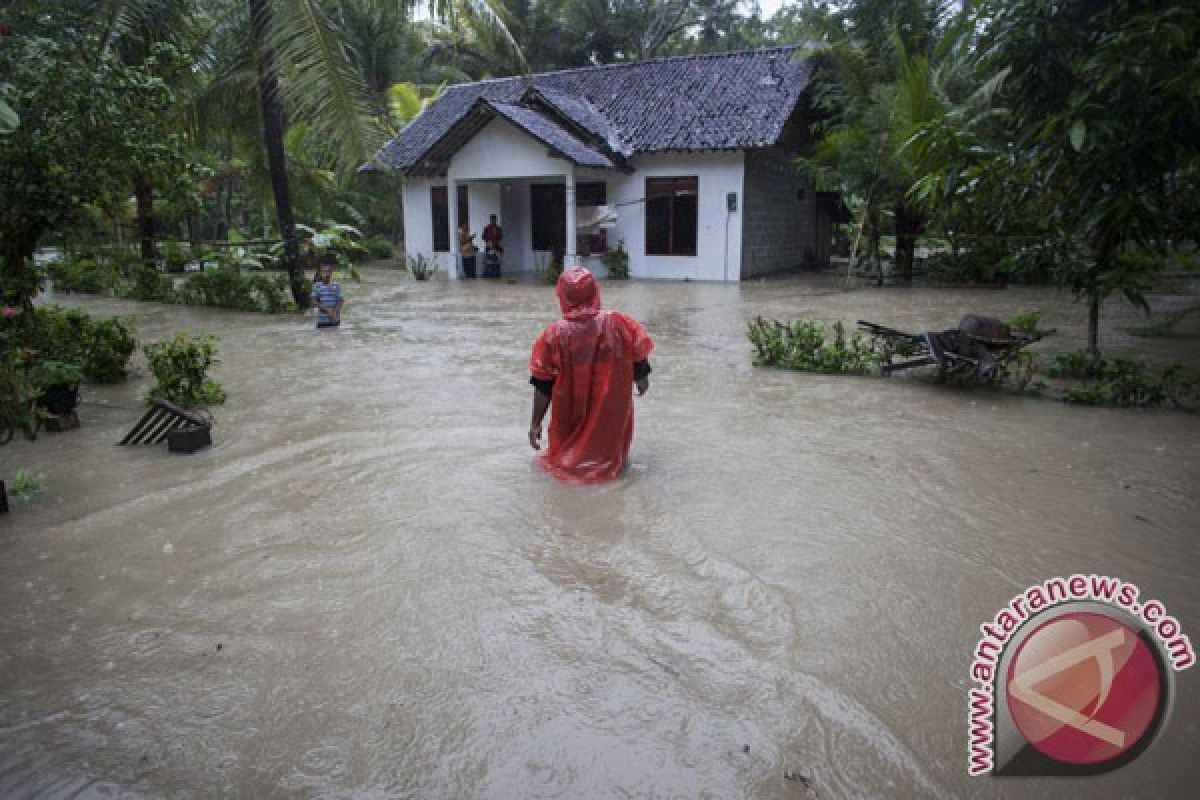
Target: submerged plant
[25, 484]
[805, 345]
[180, 366]
[421, 266]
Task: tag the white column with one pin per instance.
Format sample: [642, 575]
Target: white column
[455, 271]
[570, 258]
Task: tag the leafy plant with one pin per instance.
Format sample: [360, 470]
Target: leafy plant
[805, 345]
[25, 484]
[1026, 321]
[421, 266]
[45, 374]
[379, 248]
[180, 366]
[617, 262]
[1122, 381]
[229, 287]
[102, 347]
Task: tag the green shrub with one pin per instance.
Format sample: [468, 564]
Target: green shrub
[229, 287]
[25, 484]
[176, 256]
[1026, 321]
[102, 347]
[1122, 382]
[805, 345]
[88, 273]
[379, 248]
[47, 373]
[617, 262]
[180, 366]
[110, 344]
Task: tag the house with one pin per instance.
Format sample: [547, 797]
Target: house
[687, 162]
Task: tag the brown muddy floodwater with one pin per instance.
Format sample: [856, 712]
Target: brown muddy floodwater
[365, 589]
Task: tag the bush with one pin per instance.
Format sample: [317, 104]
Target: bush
[1026, 321]
[804, 345]
[47, 373]
[617, 262]
[110, 344]
[89, 273]
[180, 366]
[229, 287]
[379, 248]
[1122, 382]
[102, 348]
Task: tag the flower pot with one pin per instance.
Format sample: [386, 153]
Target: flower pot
[59, 399]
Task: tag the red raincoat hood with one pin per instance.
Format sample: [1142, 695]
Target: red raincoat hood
[578, 294]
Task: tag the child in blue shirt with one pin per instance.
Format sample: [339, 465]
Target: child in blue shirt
[327, 294]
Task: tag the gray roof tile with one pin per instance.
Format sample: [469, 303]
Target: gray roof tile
[724, 101]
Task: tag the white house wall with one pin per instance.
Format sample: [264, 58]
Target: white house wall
[719, 231]
[418, 222]
[500, 184]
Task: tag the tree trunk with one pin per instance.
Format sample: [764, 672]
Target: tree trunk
[18, 281]
[908, 225]
[143, 192]
[272, 112]
[1094, 323]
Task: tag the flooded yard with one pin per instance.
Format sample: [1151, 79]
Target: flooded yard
[366, 588]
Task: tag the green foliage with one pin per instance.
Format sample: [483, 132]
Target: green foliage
[180, 366]
[807, 346]
[17, 392]
[47, 373]
[90, 273]
[379, 248]
[617, 262]
[421, 266]
[108, 345]
[1026, 321]
[1089, 149]
[102, 347]
[88, 120]
[228, 287]
[26, 484]
[1122, 381]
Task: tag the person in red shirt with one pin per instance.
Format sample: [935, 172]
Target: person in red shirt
[494, 235]
[585, 366]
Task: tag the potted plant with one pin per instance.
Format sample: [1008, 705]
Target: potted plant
[58, 384]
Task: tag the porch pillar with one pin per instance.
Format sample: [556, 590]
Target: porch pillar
[455, 271]
[569, 258]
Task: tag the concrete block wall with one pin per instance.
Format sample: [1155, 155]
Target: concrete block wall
[780, 219]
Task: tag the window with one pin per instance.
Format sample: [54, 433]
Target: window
[671, 209]
[548, 204]
[441, 219]
[588, 199]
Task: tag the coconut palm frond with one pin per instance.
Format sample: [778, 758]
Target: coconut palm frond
[320, 84]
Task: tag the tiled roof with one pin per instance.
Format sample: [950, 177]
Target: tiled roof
[724, 101]
[553, 135]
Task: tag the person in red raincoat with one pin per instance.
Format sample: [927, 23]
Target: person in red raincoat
[585, 365]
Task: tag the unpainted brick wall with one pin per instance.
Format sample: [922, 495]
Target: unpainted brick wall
[779, 215]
